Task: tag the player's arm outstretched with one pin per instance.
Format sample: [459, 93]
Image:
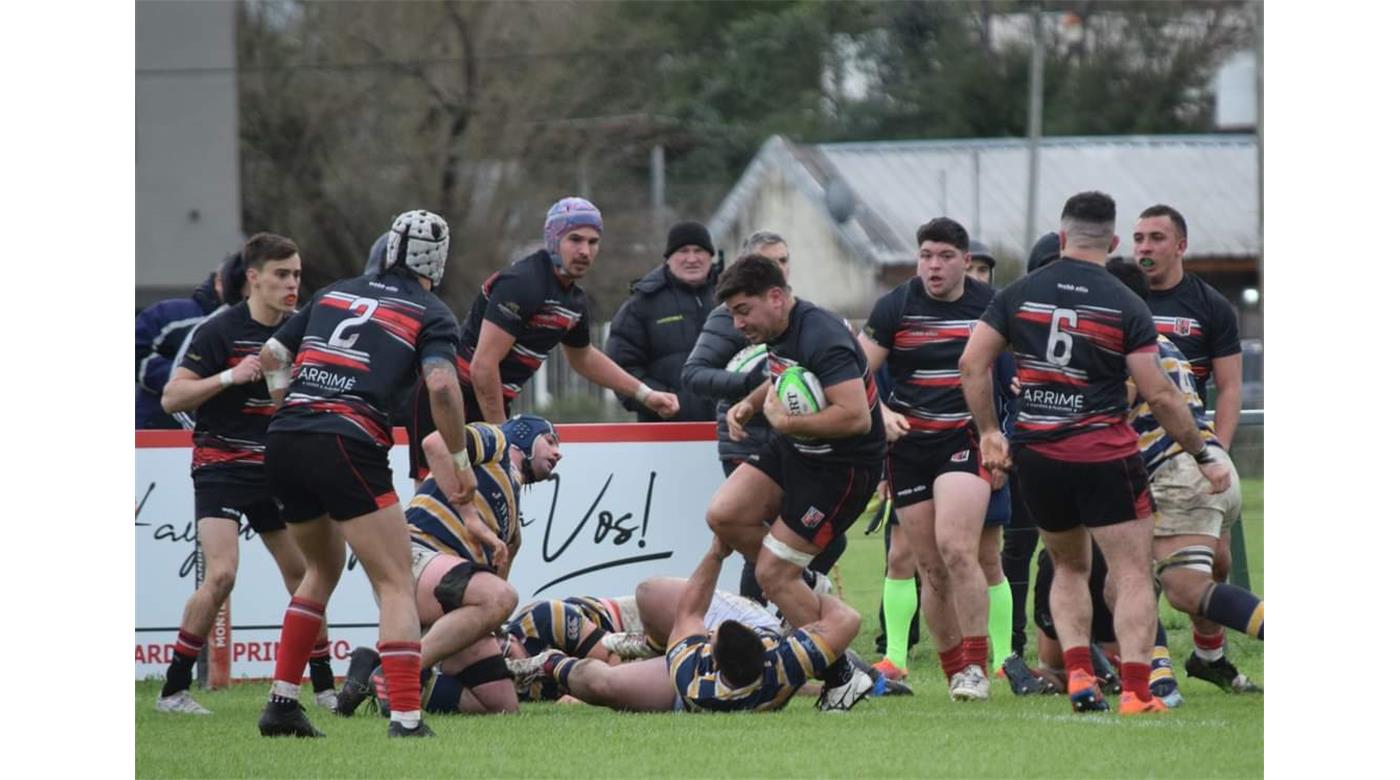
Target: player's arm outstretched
[1169, 407]
[695, 598]
[600, 369]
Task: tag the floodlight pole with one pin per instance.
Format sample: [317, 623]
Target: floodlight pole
[1033, 126]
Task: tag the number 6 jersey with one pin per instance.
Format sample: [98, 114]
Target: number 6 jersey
[1070, 326]
[357, 344]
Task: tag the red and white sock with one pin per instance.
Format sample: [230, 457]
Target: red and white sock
[402, 662]
[1209, 647]
[300, 626]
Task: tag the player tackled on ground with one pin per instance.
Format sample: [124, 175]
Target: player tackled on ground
[358, 344]
[1077, 334]
[819, 470]
[219, 376]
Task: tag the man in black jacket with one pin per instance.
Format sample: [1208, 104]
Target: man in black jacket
[655, 329]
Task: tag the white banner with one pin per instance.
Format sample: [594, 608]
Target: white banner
[625, 507]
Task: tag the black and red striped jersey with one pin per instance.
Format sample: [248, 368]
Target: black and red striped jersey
[528, 301]
[1071, 326]
[925, 338]
[359, 343]
[230, 428]
[1199, 321]
[822, 343]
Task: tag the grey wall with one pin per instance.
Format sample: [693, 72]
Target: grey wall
[187, 193]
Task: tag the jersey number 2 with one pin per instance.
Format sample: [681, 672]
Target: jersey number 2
[338, 338]
[1060, 344]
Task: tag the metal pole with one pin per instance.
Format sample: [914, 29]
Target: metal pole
[658, 183]
[1033, 126]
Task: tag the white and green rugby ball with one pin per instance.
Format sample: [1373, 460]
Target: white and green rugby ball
[800, 392]
[745, 359]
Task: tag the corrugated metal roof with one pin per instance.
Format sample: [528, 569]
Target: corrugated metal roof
[1211, 179]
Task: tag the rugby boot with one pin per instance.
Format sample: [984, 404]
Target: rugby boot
[1022, 680]
[527, 670]
[1130, 704]
[972, 685]
[891, 672]
[628, 647]
[286, 719]
[1109, 682]
[1220, 673]
[1168, 691]
[1084, 693]
[356, 689]
[842, 697]
[397, 729]
[181, 702]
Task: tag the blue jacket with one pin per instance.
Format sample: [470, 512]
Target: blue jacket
[160, 329]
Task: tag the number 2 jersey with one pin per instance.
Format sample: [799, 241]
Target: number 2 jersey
[822, 343]
[925, 338]
[358, 343]
[435, 524]
[1071, 326]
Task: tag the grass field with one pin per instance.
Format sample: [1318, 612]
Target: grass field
[1212, 735]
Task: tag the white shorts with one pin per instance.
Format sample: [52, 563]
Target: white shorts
[422, 556]
[1185, 504]
[731, 606]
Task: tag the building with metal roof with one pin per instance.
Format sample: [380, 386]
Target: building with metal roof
[850, 211]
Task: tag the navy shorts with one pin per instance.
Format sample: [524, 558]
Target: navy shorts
[234, 498]
[1062, 495]
[314, 474]
[915, 463]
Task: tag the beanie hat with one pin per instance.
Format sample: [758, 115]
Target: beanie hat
[567, 214]
[1045, 251]
[686, 233]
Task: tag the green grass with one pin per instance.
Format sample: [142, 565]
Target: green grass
[1213, 735]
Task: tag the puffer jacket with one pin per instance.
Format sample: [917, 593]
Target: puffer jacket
[705, 375]
[653, 333]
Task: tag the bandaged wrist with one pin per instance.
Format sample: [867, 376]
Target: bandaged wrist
[278, 379]
[1206, 455]
[226, 377]
[459, 459]
[641, 393]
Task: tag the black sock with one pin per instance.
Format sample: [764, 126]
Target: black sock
[838, 672]
[322, 678]
[177, 678]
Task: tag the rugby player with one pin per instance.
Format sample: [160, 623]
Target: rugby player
[1203, 325]
[1077, 334]
[333, 368]
[521, 314]
[706, 374]
[920, 328]
[818, 471]
[1190, 521]
[461, 556]
[218, 376]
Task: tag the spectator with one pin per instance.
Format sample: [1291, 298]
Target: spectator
[160, 330]
[655, 329]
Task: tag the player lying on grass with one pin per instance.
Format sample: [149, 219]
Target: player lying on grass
[461, 556]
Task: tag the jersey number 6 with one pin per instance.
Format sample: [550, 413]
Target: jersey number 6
[338, 338]
[1058, 347]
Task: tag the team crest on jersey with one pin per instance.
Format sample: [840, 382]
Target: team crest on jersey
[1182, 327]
[813, 518]
[572, 626]
[961, 457]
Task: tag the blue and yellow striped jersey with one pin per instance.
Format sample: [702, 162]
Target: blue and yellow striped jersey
[556, 623]
[1154, 443]
[434, 523]
[788, 663]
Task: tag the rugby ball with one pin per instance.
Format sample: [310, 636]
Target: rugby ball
[745, 359]
[800, 392]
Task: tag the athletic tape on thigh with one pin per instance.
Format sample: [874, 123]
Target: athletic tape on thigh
[793, 556]
[1197, 557]
[589, 641]
[484, 671]
[453, 586]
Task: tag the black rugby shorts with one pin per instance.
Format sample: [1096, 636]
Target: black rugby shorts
[916, 463]
[314, 474]
[820, 500]
[1063, 494]
[236, 496]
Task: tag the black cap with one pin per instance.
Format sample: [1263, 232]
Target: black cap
[979, 251]
[1045, 251]
[686, 233]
